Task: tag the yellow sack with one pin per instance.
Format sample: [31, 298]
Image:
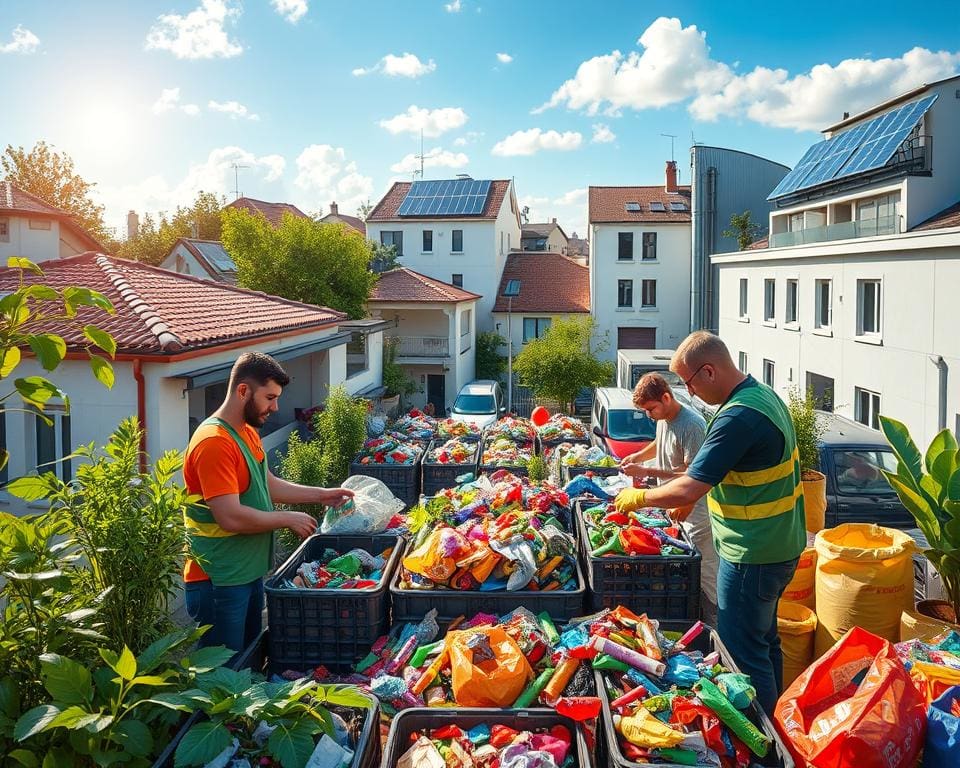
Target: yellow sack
[801, 588]
[644, 730]
[864, 579]
[488, 669]
[933, 680]
[916, 626]
[797, 625]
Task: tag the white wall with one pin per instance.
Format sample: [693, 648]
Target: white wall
[190, 264]
[671, 270]
[35, 244]
[502, 322]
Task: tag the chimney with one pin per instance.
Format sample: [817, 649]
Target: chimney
[846, 115]
[554, 219]
[671, 176]
[333, 209]
[133, 225]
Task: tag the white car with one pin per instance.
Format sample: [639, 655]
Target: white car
[480, 402]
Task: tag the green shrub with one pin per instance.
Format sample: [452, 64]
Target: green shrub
[807, 425]
[341, 429]
[490, 364]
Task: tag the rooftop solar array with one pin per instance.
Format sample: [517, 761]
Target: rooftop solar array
[216, 255]
[458, 197]
[864, 147]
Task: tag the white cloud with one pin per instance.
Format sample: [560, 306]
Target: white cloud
[533, 140]
[504, 58]
[433, 122]
[170, 100]
[233, 108]
[404, 65]
[324, 174]
[602, 134]
[434, 158]
[573, 197]
[569, 209]
[454, 7]
[24, 41]
[201, 34]
[470, 137]
[291, 10]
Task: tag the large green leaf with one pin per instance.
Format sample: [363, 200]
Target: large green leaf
[25, 758]
[126, 664]
[953, 486]
[49, 349]
[201, 744]
[102, 370]
[36, 390]
[944, 466]
[74, 297]
[903, 446]
[30, 487]
[101, 338]
[943, 441]
[207, 659]
[291, 744]
[35, 721]
[66, 680]
[11, 359]
[19, 262]
[40, 292]
[344, 695]
[9, 697]
[134, 737]
[918, 506]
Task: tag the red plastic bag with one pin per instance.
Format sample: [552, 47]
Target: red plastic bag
[856, 707]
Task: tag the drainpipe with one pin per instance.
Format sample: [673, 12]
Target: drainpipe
[141, 410]
[942, 404]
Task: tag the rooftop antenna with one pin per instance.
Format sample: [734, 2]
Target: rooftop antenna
[420, 157]
[236, 178]
[670, 136]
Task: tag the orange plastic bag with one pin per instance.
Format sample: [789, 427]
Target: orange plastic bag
[856, 707]
[488, 669]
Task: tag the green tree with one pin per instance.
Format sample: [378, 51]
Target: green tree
[341, 428]
[395, 378]
[563, 361]
[743, 229]
[50, 175]
[490, 364]
[807, 425]
[363, 210]
[301, 259]
[155, 237]
[384, 258]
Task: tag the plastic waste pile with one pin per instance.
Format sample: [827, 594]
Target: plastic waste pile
[513, 428]
[453, 451]
[504, 452]
[579, 455]
[934, 665]
[448, 428]
[560, 427]
[389, 450]
[415, 425]
[646, 531]
[373, 509]
[489, 746]
[355, 569]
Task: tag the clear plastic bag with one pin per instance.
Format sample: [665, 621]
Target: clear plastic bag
[370, 510]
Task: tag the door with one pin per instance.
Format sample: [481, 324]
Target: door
[436, 392]
[822, 387]
[636, 338]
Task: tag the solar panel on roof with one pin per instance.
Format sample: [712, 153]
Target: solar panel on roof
[865, 147]
[449, 197]
[216, 255]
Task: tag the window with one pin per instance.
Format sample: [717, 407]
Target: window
[39, 224]
[678, 207]
[656, 207]
[649, 246]
[53, 443]
[632, 207]
[648, 293]
[428, 241]
[457, 279]
[393, 238]
[4, 230]
[625, 246]
[743, 297]
[792, 303]
[868, 307]
[769, 300]
[867, 407]
[625, 294]
[465, 320]
[356, 354]
[456, 241]
[534, 327]
[769, 369]
[743, 362]
[823, 311]
[859, 472]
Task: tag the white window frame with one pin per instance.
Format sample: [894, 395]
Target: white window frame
[743, 362]
[744, 299]
[877, 333]
[769, 373]
[769, 301]
[872, 417]
[644, 304]
[540, 326]
[818, 320]
[791, 312]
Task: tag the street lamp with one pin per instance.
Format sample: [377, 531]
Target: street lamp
[511, 291]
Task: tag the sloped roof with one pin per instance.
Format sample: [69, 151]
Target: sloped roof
[211, 254]
[549, 282]
[386, 209]
[544, 229]
[402, 284]
[608, 205]
[757, 245]
[578, 246]
[272, 212]
[351, 221]
[163, 312]
[14, 201]
[948, 217]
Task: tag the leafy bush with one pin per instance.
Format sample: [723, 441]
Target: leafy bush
[302, 464]
[395, 378]
[537, 469]
[341, 429]
[490, 364]
[807, 425]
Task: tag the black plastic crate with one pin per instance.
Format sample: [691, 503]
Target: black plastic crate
[438, 476]
[707, 641]
[403, 480]
[410, 721]
[570, 472]
[662, 587]
[333, 627]
[412, 604]
[554, 442]
[519, 471]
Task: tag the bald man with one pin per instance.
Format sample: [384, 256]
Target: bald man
[749, 469]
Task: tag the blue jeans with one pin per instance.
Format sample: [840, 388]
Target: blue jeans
[236, 613]
[747, 598]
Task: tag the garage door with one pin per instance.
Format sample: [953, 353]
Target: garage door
[636, 338]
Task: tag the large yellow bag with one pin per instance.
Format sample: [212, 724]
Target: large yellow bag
[802, 587]
[864, 579]
[916, 626]
[797, 625]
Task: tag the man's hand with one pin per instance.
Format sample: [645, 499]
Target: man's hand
[300, 523]
[333, 497]
[635, 470]
[679, 514]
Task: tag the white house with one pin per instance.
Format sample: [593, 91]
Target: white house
[207, 259]
[853, 294]
[435, 333]
[177, 338]
[31, 228]
[547, 236]
[640, 263]
[458, 231]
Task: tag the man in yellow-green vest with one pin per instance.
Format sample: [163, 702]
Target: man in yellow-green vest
[749, 469]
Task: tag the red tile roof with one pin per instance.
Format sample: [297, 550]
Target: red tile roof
[404, 284]
[948, 217]
[351, 221]
[549, 282]
[607, 205]
[163, 312]
[756, 245]
[14, 200]
[272, 212]
[386, 209]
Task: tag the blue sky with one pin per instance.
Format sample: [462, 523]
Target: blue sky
[324, 101]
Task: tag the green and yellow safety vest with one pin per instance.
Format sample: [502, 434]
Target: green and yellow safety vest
[231, 559]
[757, 516]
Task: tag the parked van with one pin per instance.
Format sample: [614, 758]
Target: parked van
[633, 363]
[480, 402]
[616, 426]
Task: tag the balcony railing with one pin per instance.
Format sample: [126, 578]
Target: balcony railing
[847, 230]
[423, 346]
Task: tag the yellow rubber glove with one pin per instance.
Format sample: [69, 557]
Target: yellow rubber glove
[630, 500]
[644, 730]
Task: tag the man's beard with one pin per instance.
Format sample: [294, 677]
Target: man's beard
[252, 416]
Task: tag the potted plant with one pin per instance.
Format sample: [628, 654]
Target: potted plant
[929, 486]
[396, 382]
[809, 429]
